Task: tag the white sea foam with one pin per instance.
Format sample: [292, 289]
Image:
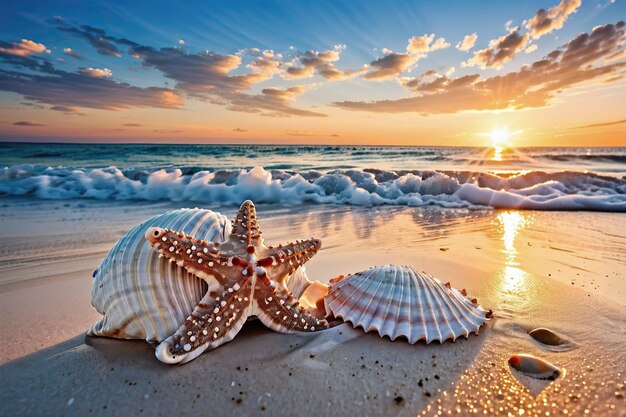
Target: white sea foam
[533, 190]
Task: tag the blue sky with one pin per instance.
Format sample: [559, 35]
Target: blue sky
[360, 32]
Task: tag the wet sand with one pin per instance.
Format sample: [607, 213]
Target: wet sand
[564, 271]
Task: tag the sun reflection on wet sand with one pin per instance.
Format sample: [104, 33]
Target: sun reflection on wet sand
[513, 283]
[511, 222]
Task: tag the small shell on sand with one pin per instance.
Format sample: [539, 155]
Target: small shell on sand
[546, 336]
[534, 367]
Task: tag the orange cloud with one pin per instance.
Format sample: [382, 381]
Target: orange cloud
[467, 43]
[394, 63]
[96, 72]
[499, 52]
[24, 47]
[545, 21]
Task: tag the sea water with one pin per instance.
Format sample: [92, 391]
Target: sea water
[454, 177]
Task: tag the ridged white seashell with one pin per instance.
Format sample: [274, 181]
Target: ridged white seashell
[399, 301]
[142, 296]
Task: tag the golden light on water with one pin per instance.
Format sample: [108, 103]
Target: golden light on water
[500, 140]
[497, 153]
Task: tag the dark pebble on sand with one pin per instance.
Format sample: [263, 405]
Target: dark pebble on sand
[399, 400]
[545, 336]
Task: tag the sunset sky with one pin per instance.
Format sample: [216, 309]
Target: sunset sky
[343, 72]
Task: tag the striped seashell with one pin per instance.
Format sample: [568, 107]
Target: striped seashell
[399, 301]
[142, 296]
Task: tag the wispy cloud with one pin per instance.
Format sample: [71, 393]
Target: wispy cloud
[617, 122]
[103, 43]
[68, 110]
[70, 52]
[27, 124]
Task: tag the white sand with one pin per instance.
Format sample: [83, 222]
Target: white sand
[503, 259]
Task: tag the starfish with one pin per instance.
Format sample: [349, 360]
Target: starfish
[245, 279]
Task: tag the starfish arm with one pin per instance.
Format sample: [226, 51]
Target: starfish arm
[199, 257]
[283, 260]
[278, 310]
[245, 231]
[216, 320]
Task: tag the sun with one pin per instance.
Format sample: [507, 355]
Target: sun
[500, 138]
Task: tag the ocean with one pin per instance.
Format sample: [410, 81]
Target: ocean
[588, 179]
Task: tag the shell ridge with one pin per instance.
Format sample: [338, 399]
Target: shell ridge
[166, 273]
[366, 319]
[361, 303]
[465, 309]
[476, 312]
[458, 311]
[403, 309]
[385, 303]
[422, 312]
[336, 305]
[445, 310]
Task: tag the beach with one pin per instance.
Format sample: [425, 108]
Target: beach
[560, 270]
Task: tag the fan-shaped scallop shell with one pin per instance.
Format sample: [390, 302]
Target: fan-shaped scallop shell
[399, 301]
[142, 296]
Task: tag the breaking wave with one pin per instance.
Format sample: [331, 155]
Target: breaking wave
[532, 190]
